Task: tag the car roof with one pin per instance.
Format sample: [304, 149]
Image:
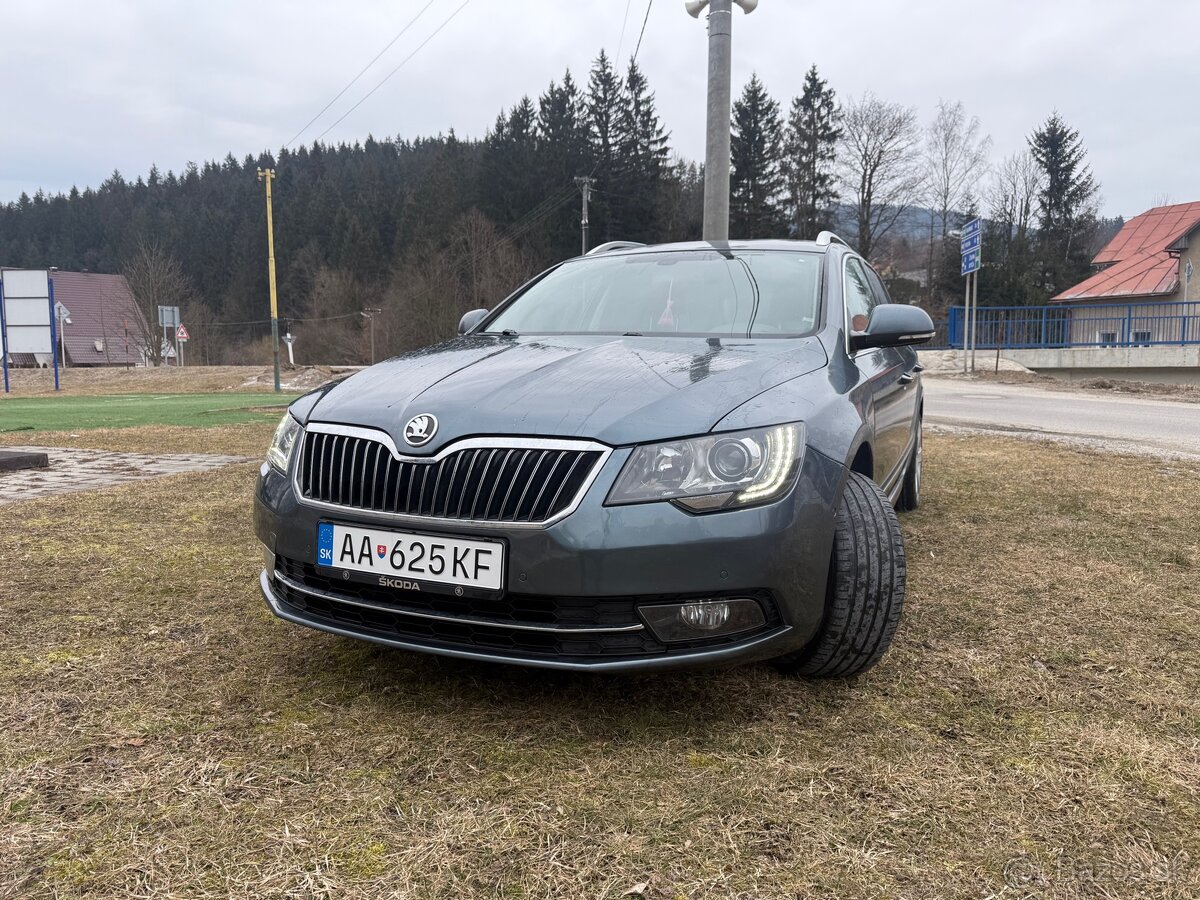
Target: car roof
[794, 246]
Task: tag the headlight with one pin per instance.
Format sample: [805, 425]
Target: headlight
[720, 471]
[284, 442]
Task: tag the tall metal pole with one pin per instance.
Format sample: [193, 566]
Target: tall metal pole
[975, 316]
[369, 315]
[720, 100]
[53, 332]
[585, 184]
[966, 333]
[3, 339]
[267, 176]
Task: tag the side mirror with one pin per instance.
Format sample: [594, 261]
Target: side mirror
[894, 325]
[468, 322]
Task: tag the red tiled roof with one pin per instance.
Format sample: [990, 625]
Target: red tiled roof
[1137, 261]
[1155, 229]
[1145, 274]
[100, 306]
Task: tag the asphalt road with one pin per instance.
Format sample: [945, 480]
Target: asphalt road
[1117, 423]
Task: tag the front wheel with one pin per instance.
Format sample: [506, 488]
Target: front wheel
[865, 593]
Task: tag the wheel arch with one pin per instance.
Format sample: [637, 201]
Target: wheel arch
[863, 460]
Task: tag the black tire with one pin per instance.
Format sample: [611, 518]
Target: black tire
[910, 494]
[865, 594]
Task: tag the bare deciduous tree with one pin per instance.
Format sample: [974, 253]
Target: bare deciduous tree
[879, 165]
[1012, 195]
[156, 279]
[955, 160]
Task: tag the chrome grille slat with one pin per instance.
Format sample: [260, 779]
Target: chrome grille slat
[354, 448]
[516, 513]
[483, 473]
[450, 487]
[549, 479]
[497, 479]
[321, 462]
[466, 482]
[420, 510]
[375, 477]
[512, 483]
[341, 482]
[387, 474]
[528, 482]
[570, 472]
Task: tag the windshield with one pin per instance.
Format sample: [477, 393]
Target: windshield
[696, 292]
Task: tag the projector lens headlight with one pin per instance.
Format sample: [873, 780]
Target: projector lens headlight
[284, 443]
[714, 472]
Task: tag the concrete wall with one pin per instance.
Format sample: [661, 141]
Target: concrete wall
[1161, 365]
[1165, 365]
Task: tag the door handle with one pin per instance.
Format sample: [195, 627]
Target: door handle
[917, 368]
[908, 378]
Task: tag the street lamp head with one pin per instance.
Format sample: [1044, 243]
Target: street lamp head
[695, 7]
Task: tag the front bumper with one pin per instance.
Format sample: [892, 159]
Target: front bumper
[573, 589]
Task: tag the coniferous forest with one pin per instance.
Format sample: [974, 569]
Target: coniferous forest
[400, 236]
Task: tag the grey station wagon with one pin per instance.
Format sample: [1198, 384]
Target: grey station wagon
[645, 458]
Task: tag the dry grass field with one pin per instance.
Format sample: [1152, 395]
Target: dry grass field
[1034, 732]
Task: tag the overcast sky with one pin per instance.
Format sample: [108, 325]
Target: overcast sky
[92, 86]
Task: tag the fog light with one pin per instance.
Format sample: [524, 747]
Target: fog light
[698, 619]
[706, 616]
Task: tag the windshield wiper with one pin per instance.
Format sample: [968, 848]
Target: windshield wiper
[633, 334]
[508, 332]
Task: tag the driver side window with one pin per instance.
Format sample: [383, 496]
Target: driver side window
[858, 297]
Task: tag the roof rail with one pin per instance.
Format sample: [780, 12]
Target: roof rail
[825, 238]
[614, 245]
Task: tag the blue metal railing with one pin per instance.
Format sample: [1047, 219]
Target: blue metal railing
[1078, 325]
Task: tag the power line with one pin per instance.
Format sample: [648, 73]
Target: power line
[643, 34]
[403, 31]
[403, 62]
[621, 42]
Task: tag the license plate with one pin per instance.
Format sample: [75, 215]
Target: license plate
[460, 562]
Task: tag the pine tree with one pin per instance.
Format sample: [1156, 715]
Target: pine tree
[564, 152]
[1066, 204]
[810, 151]
[642, 158]
[757, 183]
[511, 185]
[602, 107]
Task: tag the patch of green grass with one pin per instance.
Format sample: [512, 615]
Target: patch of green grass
[135, 410]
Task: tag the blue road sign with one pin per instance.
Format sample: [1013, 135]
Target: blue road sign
[971, 262]
[972, 228]
[971, 243]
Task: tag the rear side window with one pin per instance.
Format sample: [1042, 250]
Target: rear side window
[859, 298]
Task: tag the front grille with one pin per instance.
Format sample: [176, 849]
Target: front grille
[570, 628]
[526, 485]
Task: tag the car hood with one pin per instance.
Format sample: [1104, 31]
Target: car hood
[618, 391]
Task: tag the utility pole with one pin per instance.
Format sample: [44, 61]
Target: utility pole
[267, 176]
[585, 185]
[369, 315]
[720, 103]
